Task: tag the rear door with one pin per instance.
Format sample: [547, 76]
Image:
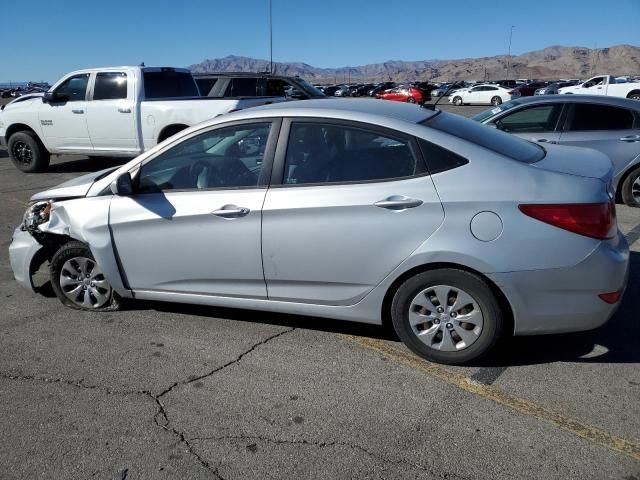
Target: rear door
[111, 113]
[348, 203]
[614, 131]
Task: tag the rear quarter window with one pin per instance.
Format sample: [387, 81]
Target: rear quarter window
[490, 138]
[169, 84]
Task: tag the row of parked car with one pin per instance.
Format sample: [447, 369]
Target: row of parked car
[10, 91]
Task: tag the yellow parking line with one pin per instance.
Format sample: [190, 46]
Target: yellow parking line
[490, 392]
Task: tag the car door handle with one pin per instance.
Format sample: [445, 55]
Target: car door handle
[630, 138]
[77, 110]
[124, 110]
[398, 202]
[231, 211]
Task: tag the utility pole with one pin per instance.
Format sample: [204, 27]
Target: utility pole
[509, 53]
[271, 36]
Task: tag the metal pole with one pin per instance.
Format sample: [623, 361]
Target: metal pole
[509, 54]
[271, 36]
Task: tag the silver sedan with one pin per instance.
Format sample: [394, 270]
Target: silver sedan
[608, 124]
[349, 209]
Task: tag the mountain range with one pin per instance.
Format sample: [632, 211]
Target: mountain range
[549, 63]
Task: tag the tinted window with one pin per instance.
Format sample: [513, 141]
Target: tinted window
[487, 137]
[534, 119]
[440, 159]
[110, 86]
[75, 87]
[169, 84]
[205, 85]
[326, 153]
[600, 117]
[228, 157]
[242, 87]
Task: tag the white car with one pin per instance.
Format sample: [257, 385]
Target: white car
[483, 95]
[605, 85]
[108, 112]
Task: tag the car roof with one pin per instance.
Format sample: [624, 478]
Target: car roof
[363, 109]
[564, 98]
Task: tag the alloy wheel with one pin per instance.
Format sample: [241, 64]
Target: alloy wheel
[82, 282]
[22, 152]
[635, 190]
[445, 318]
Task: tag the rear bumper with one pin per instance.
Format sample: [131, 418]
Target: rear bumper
[22, 250]
[566, 299]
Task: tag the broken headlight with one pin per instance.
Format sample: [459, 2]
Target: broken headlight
[36, 214]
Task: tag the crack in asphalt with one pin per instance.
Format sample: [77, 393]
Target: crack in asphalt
[160, 418]
[320, 444]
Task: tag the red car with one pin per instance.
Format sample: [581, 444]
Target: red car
[402, 94]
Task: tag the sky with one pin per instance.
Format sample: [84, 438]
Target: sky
[53, 39]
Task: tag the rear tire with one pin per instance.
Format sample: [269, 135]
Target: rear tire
[447, 316]
[457, 101]
[27, 152]
[411, 100]
[496, 100]
[78, 281]
[634, 95]
[630, 190]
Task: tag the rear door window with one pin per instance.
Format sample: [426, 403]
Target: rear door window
[587, 117]
[320, 153]
[110, 86]
[242, 87]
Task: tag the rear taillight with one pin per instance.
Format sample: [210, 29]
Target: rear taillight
[611, 298]
[595, 220]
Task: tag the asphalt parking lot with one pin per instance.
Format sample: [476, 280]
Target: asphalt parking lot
[175, 391]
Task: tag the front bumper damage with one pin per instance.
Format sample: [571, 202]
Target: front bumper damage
[22, 252]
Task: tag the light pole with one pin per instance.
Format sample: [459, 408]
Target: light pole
[509, 53]
[270, 36]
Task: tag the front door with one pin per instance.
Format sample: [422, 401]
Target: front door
[353, 202]
[194, 222]
[536, 124]
[64, 123]
[111, 114]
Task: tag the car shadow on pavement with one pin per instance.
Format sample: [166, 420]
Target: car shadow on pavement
[85, 165]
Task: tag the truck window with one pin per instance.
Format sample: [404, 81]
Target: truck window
[110, 86]
[205, 85]
[169, 84]
[242, 87]
[75, 87]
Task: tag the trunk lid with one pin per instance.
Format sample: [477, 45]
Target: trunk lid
[581, 162]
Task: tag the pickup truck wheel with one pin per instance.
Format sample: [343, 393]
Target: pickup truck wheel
[27, 153]
[78, 281]
[631, 189]
[634, 96]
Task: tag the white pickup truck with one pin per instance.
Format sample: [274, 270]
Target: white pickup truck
[605, 85]
[108, 112]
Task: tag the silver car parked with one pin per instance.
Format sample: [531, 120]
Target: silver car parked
[349, 209]
[608, 124]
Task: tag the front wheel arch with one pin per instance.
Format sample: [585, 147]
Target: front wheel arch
[385, 313]
[634, 93]
[170, 130]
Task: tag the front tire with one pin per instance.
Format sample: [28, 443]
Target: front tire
[496, 100]
[634, 95]
[447, 316]
[457, 101]
[630, 190]
[78, 281]
[411, 100]
[27, 153]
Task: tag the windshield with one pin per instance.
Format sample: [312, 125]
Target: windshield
[500, 142]
[482, 116]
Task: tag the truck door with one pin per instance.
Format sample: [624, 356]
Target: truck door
[111, 113]
[64, 121]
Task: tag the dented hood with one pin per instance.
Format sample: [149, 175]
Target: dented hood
[77, 187]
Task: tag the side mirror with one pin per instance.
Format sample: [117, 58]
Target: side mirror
[122, 186]
[54, 97]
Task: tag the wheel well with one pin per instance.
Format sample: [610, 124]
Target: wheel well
[393, 288]
[18, 127]
[170, 130]
[633, 92]
[622, 179]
